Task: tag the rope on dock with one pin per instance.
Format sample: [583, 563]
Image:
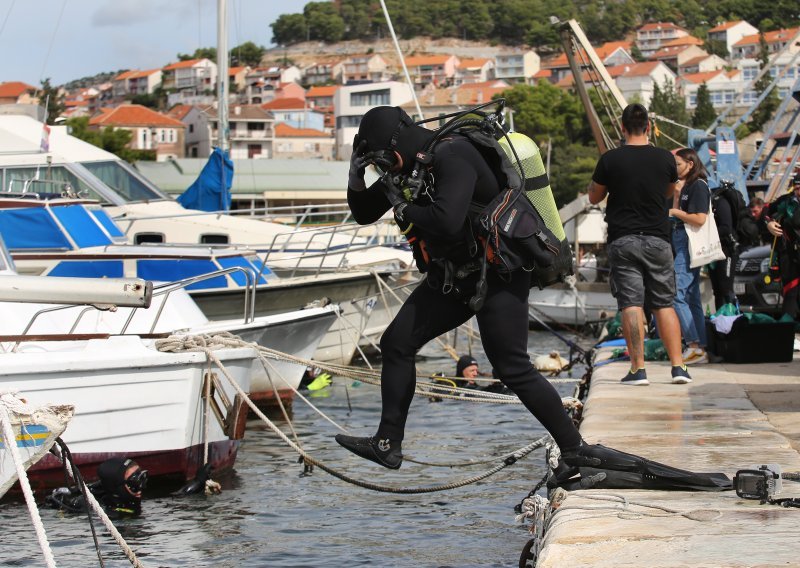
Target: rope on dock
[207, 344]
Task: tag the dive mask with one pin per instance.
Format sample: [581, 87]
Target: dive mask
[137, 481]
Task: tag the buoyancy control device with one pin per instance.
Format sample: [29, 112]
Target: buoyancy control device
[521, 227]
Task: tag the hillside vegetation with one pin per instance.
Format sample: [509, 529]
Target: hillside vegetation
[518, 22]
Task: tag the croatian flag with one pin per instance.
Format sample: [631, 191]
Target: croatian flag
[45, 144]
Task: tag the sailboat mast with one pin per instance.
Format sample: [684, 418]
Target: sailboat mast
[223, 132]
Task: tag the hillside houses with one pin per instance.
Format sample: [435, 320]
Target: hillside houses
[311, 108]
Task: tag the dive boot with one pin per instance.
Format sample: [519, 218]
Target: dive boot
[385, 452]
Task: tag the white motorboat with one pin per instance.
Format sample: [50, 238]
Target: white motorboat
[131, 398]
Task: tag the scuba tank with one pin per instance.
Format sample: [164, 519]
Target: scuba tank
[521, 227]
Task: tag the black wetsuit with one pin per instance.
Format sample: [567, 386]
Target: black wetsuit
[460, 176]
[786, 211]
[71, 500]
[721, 272]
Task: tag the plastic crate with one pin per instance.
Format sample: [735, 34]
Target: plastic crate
[752, 342]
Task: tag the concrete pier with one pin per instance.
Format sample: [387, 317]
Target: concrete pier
[729, 418]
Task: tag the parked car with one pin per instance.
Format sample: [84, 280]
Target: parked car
[754, 285]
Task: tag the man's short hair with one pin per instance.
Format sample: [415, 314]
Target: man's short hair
[756, 202]
[634, 119]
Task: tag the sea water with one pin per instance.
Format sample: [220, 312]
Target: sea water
[270, 515]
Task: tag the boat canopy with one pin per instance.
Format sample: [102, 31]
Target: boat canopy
[67, 227]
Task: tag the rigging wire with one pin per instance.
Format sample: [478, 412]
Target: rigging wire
[8, 15]
[52, 39]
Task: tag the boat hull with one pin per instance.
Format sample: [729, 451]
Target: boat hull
[132, 400]
[586, 303]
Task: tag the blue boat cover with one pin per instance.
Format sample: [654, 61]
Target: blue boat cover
[212, 189]
[170, 270]
[81, 225]
[108, 223]
[31, 228]
[238, 277]
[88, 269]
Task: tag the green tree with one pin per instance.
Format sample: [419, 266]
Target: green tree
[114, 140]
[357, 17]
[49, 96]
[200, 53]
[289, 29]
[769, 105]
[247, 53]
[667, 103]
[704, 113]
[324, 22]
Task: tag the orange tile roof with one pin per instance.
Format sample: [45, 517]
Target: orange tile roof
[685, 40]
[133, 115]
[724, 26]
[179, 111]
[416, 61]
[235, 70]
[182, 64]
[326, 91]
[491, 84]
[602, 51]
[669, 52]
[659, 26]
[468, 63]
[285, 103]
[14, 88]
[141, 74]
[695, 60]
[543, 74]
[770, 37]
[635, 69]
[702, 77]
[124, 75]
[283, 130]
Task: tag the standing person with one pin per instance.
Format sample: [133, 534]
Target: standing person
[690, 206]
[783, 222]
[389, 138]
[638, 180]
[721, 272]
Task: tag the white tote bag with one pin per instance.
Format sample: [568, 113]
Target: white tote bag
[704, 243]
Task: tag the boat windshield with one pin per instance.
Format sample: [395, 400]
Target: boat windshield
[46, 180]
[124, 181]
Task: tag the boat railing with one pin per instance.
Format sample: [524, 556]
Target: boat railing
[165, 290]
[319, 243]
[64, 188]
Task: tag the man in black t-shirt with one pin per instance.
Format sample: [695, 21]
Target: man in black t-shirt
[639, 181]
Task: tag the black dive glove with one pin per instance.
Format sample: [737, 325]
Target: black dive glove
[395, 196]
[358, 165]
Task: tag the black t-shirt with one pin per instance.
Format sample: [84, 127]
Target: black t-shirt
[695, 197]
[637, 178]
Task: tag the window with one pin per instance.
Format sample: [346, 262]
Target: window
[749, 73]
[56, 179]
[191, 128]
[211, 239]
[370, 98]
[163, 135]
[142, 238]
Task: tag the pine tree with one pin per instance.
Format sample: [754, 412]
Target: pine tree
[704, 113]
[668, 103]
[49, 96]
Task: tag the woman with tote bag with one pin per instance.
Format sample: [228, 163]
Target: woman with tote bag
[690, 211]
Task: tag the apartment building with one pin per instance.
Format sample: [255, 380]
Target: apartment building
[728, 33]
[251, 130]
[474, 71]
[517, 66]
[302, 143]
[351, 102]
[610, 53]
[437, 70]
[652, 36]
[196, 75]
[135, 82]
[371, 68]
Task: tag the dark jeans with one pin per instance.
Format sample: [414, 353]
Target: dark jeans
[503, 323]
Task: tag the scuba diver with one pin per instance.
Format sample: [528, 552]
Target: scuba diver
[389, 139]
[783, 223]
[467, 370]
[118, 489]
[462, 180]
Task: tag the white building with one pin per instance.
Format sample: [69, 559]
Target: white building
[196, 75]
[351, 102]
[517, 66]
[723, 87]
[728, 33]
[639, 80]
[749, 46]
[651, 37]
[474, 71]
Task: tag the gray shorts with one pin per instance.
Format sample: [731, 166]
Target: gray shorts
[642, 271]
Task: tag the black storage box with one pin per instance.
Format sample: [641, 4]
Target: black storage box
[752, 342]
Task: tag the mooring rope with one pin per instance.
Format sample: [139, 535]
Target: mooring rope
[33, 510]
[205, 343]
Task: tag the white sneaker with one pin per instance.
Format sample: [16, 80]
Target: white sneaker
[695, 355]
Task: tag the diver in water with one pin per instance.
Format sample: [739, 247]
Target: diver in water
[118, 489]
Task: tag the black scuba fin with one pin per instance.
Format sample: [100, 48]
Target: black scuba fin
[629, 471]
